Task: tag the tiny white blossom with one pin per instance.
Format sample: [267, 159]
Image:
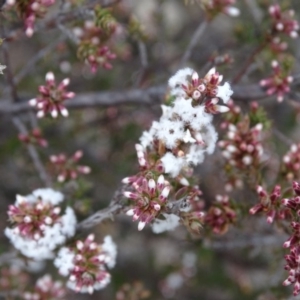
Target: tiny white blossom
[2, 67]
[170, 222]
[224, 92]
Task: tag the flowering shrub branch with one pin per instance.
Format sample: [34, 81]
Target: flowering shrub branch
[208, 165]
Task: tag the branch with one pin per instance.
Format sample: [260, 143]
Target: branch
[249, 61]
[38, 56]
[193, 42]
[249, 241]
[107, 213]
[149, 96]
[33, 154]
[61, 18]
[8, 256]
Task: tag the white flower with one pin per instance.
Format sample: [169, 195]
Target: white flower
[172, 165]
[2, 67]
[180, 78]
[224, 92]
[110, 249]
[170, 222]
[64, 261]
[232, 11]
[48, 196]
[170, 132]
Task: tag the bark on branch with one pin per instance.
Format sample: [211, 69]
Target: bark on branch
[149, 96]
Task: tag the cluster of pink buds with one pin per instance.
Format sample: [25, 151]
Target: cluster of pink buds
[193, 221]
[132, 291]
[218, 60]
[33, 137]
[67, 168]
[220, 215]
[39, 225]
[291, 163]
[214, 7]
[208, 90]
[51, 98]
[293, 204]
[242, 146]
[145, 163]
[277, 84]
[283, 22]
[293, 267]
[30, 10]
[30, 219]
[278, 46]
[270, 204]
[233, 116]
[101, 57]
[293, 259]
[13, 280]
[92, 48]
[85, 264]
[46, 289]
[149, 199]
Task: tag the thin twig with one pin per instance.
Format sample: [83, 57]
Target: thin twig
[193, 42]
[33, 153]
[250, 241]
[248, 62]
[99, 216]
[282, 137]
[34, 60]
[9, 74]
[107, 213]
[144, 62]
[69, 34]
[143, 54]
[7, 256]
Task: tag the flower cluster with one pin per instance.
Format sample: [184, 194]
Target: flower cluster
[185, 132]
[220, 215]
[278, 46]
[178, 141]
[30, 10]
[67, 168]
[293, 243]
[94, 36]
[51, 98]
[38, 223]
[84, 264]
[149, 199]
[291, 163]
[283, 21]
[270, 204]
[132, 291]
[34, 137]
[46, 289]
[214, 7]
[242, 146]
[279, 83]
[13, 279]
